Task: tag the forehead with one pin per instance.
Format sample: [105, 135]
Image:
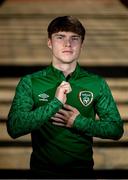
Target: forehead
[64, 33]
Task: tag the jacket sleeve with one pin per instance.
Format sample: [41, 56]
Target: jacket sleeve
[109, 125]
[22, 117]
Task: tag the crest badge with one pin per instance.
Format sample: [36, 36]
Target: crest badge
[86, 97]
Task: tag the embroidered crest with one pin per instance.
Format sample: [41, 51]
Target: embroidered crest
[43, 97]
[86, 97]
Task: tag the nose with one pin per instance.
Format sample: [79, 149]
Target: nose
[68, 42]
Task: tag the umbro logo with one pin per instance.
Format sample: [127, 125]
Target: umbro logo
[43, 97]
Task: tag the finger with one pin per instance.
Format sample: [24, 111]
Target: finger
[66, 114]
[68, 107]
[58, 120]
[67, 88]
[62, 114]
[65, 92]
[66, 85]
[58, 124]
[58, 115]
[63, 82]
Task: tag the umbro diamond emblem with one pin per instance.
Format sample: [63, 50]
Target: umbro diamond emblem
[43, 97]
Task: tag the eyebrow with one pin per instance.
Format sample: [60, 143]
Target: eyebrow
[59, 34]
[63, 35]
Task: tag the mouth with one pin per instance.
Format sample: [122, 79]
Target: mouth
[67, 51]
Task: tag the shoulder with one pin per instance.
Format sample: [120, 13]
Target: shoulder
[96, 81]
[90, 75]
[27, 79]
[37, 74]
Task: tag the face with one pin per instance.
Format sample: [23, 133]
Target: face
[65, 46]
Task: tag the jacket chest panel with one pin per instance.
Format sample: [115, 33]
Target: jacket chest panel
[43, 92]
[82, 99]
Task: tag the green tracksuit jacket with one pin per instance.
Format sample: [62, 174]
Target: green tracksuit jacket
[34, 103]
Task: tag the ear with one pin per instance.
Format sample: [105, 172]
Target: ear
[82, 45]
[49, 43]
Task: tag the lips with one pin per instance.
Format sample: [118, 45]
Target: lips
[67, 51]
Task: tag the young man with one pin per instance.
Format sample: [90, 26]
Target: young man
[58, 106]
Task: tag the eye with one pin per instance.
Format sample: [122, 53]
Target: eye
[59, 37]
[75, 38]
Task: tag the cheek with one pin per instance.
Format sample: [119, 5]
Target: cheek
[57, 47]
[56, 50]
[77, 50]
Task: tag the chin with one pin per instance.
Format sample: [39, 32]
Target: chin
[68, 61]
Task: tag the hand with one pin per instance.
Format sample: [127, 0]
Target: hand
[63, 89]
[65, 117]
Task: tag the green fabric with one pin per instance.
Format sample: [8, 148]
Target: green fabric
[34, 103]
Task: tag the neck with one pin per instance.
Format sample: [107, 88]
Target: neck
[65, 68]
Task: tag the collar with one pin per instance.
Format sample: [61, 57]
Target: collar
[60, 76]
